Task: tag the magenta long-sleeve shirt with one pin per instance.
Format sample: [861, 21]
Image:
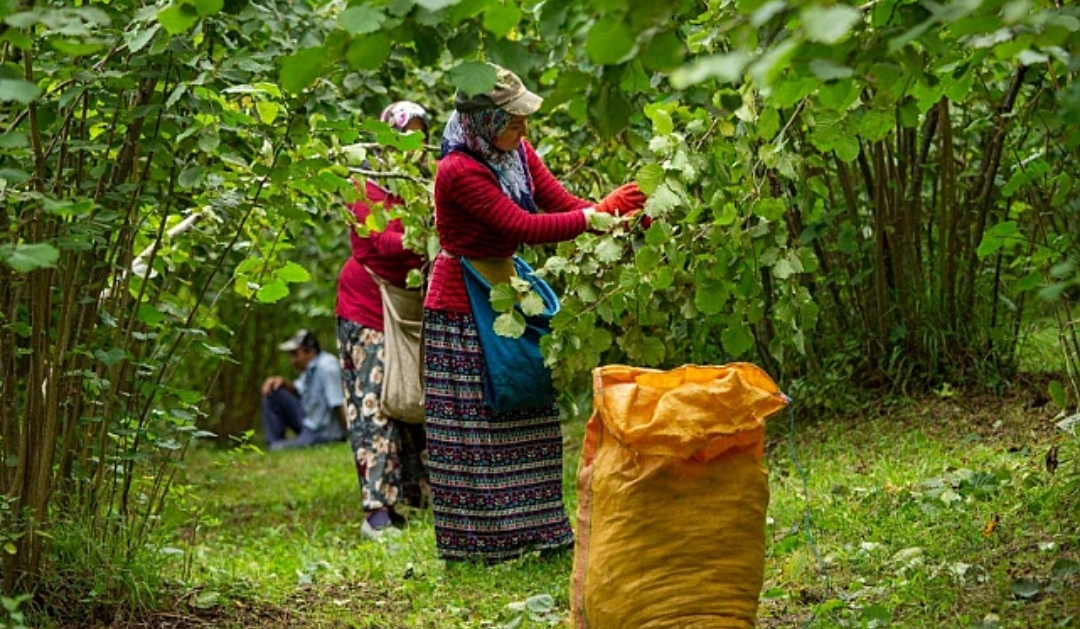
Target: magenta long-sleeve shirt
[358, 297]
[476, 219]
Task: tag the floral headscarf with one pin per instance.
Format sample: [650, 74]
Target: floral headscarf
[400, 113]
[474, 133]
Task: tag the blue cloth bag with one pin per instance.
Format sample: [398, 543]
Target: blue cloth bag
[515, 377]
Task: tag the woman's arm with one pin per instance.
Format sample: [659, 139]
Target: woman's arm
[549, 194]
[388, 241]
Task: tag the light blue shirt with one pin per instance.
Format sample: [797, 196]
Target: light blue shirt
[321, 392]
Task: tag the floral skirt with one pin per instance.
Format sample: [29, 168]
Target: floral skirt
[390, 455]
[496, 479]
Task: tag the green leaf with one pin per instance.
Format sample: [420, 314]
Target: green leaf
[207, 8]
[996, 237]
[787, 93]
[663, 53]
[17, 39]
[300, 69]
[268, 111]
[710, 295]
[14, 140]
[292, 273]
[1029, 281]
[361, 19]
[652, 351]
[727, 68]
[75, 48]
[603, 222]
[1064, 568]
[191, 176]
[828, 71]
[1058, 395]
[876, 617]
[839, 95]
[662, 201]
[150, 315]
[28, 257]
[634, 80]
[111, 357]
[610, 112]
[177, 18]
[510, 324]
[769, 67]
[910, 35]
[18, 90]
[737, 340]
[502, 18]
[661, 119]
[532, 304]
[435, 5]
[503, 297]
[663, 278]
[829, 25]
[69, 208]
[473, 77]
[273, 292]
[609, 250]
[783, 269]
[209, 141]
[826, 132]
[649, 177]
[513, 55]
[540, 604]
[771, 208]
[601, 340]
[647, 259]
[610, 39]
[769, 123]
[1025, 588]
[207, 599]
[847, 148]
[876, 124]
[13, 176]
[137, 40]
[558, 264]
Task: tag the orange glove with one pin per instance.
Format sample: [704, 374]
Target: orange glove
[626, 198]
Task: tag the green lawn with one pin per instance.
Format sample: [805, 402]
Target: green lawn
[932, 514]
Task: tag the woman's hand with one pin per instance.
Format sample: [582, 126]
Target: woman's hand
[625, 199]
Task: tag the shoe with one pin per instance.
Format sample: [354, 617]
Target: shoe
[383, 527]
[370, 532]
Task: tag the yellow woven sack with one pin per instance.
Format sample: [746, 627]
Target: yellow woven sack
[672, 496]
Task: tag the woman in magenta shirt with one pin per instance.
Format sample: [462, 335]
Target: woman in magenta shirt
[389, 454]
[497, 477]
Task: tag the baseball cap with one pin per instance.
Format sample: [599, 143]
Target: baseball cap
[509, 94]
[302, 338]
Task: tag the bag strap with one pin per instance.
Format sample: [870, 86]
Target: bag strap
[425, 270]
[375, 276]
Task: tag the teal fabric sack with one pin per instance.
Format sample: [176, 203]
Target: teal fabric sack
[515, 377]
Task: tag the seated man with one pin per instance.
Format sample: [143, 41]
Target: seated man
[312, 405]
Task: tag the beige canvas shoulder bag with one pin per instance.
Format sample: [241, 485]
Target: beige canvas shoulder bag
[403, 386]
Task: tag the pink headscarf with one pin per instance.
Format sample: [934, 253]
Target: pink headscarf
[400, 113]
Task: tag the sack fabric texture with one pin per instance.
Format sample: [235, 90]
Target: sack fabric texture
[672, 498]
[403, 386]
[515, 377]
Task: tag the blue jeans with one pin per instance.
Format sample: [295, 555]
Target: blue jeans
[281, 412]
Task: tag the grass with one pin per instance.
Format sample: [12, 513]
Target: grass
[938, 513]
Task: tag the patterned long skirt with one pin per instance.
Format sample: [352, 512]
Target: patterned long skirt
[390, 455]
[497, 479]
